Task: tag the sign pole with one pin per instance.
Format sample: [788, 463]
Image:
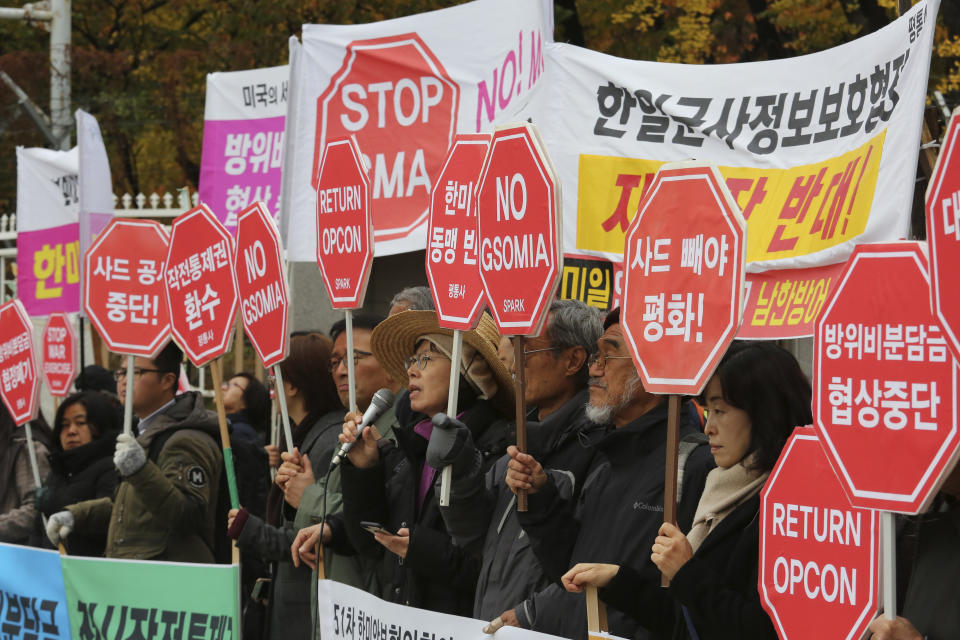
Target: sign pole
[520, 387]
[670, 480]
[888, 534]
[128, 399]
[446, 475]
[351, 374]
[217, 374]
[281, 399]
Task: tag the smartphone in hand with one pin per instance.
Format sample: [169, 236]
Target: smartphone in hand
[375, 527]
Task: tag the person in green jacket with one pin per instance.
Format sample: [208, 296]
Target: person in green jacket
[165, 505]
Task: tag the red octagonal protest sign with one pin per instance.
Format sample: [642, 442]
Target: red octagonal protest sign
[518, 222]
[819, 556]
[200, 287]
[396, 98]
[943, 233]
[19, 382]
[344, 224]
[684, 266]
[884, 383]
[262, 283]
[452, 235]
[123, 287]
[59, 354]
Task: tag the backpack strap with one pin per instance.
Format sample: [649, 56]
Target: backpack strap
[688, 445]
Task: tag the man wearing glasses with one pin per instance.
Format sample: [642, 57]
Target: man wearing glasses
[620, 508]
[165, 505]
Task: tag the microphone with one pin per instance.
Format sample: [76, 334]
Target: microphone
[381, 401]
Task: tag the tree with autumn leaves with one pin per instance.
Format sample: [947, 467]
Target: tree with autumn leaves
[139, 66]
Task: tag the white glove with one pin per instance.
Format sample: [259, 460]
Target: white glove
[59, 526]
[129, 456]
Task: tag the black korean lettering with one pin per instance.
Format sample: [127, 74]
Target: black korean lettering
[799, 118]
[197, 629]
[248, 100]
[609, 101]
[138, 616]
[686, 125]
[898, 65]
[173, 622]
[722, 129]
[856, 99]
[879, 83]
[830, 114]
[769, 115]
[49, 626]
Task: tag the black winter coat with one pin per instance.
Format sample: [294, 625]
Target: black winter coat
[84, 473]
[718, 587]
[436, 574]
[615, 520]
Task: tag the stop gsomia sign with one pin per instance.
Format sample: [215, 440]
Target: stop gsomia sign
[684, 264]
[819, 556]
[452, 268]
[262, 283]
[344, 224]
[59, 354]
[200, 287]
[884, 382]
[123, 287]
[518, 223]
[19, 381]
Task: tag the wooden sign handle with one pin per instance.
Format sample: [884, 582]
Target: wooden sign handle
[519, 389]
[672, 462]
[596, 612]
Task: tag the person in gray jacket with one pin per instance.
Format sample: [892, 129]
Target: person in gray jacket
[315, 414]
[482, 507]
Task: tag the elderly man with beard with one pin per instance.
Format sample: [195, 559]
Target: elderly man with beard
[620, 508]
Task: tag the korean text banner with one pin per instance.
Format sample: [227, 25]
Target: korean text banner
[48, 246]
[404, 88]
[139, 599]
[347, 613]
[32, 599]
[819, 150]
[243, 141]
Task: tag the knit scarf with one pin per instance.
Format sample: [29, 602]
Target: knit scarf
[723, 492]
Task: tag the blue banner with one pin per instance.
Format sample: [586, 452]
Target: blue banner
[33, 603]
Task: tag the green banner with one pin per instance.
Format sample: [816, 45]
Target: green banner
[141, 600]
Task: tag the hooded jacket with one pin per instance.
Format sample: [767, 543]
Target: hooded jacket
[484, 508]
[436, 574]
[615, 519]
[166, 510]
[17, 483]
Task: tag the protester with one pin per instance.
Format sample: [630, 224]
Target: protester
[96, 378]
[412, 299]
[391, 484]
[165, 505]
[482, 507]
[932, 542]
[247, 403]
[756, 397]
[17, 482]
[81, 465]
[620, 508]
[315, 415]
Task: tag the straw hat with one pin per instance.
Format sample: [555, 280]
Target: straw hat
[394, 340]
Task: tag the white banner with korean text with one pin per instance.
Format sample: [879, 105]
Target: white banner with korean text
[243, 141]
[348, 613]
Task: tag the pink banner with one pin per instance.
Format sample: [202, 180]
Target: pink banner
[241, 164]
[48, 270]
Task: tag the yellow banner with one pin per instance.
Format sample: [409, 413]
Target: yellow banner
[789, 212]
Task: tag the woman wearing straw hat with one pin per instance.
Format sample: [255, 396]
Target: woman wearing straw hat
[392, 485]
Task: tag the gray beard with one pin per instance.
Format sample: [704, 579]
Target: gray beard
[603, 414]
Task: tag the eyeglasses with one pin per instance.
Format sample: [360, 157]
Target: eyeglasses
[121, 374]
[422, 360]
[357, 356]
[532, 351]
[599, 359]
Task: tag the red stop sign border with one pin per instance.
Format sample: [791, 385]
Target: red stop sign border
[257, 212]
[220, 343]
[922, 494]
[946, 159]
[16, 307]
[62, 320]
[683, 171]
[538, 316]
[359, 292]
[350, 56]
[154, 346]
[446, 318]
[806, 436]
